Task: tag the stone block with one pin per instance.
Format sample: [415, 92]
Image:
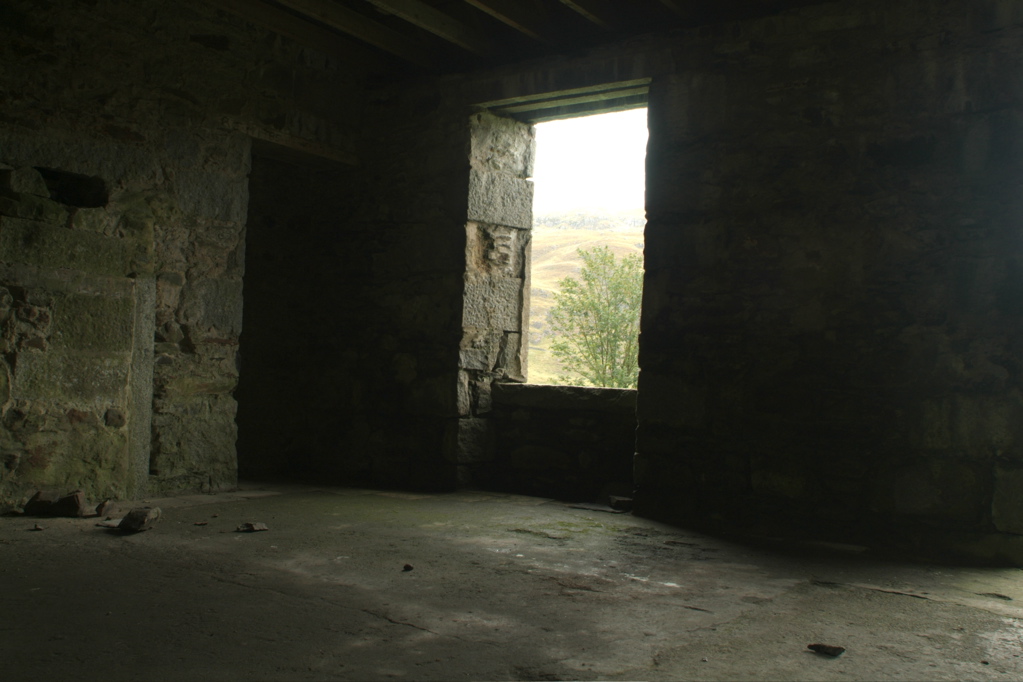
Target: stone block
[475, 441]
[496, 250]
[1007, 506]
[195, 385]
[25, 180]
[213, 304]
[480, 349]
[45, 246]
[671, 400]
[212, 196]
[500, 199]
[195, 453]
[511, 361]
[493, 303]
[95, 323]
[502, 144]
[72, 377]
[31, 207]
[465, 396]
[98, 220]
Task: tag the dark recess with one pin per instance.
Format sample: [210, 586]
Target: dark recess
[74, 189]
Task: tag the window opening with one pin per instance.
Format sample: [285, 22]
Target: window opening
[589, 179]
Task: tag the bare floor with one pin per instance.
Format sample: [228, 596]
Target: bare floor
[501, 587]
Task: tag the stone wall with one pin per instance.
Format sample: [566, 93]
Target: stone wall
[569, 442]
[75, 284]
[142, 292]
[831, 332]
[405, 258]
[497, 263]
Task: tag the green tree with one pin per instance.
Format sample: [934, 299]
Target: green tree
[596, 320]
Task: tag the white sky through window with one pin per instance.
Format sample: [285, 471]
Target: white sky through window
[593, 163]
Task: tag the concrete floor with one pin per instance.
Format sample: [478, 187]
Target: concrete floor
[502, 587]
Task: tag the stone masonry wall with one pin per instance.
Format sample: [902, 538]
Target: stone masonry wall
[148, 97]
[75, 274]
[831, 331]
[497, 263]
[569, 442]
[404, 261]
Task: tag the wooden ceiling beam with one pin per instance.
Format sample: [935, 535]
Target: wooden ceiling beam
[683, 8]
[597, 11]
[514, 14]
[288, 25]
[437, 23]
[359, 26]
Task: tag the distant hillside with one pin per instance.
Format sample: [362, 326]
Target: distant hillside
[617, 220]
[556, 239]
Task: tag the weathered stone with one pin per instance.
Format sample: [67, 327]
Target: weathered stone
[114, 418]
[139, 519]
[41, 502]
[187, 385]
[70, 505]
[213, 304]
[496, 250]
[94, 323]
[475, 441]
[70, 377]
[98, 220]
[213, 196]
[42, 245]
[493, 303]
[25, 180]
[500, 199]
[32, 207]
[503, 145]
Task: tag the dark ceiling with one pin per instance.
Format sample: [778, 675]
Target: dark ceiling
[443, 36]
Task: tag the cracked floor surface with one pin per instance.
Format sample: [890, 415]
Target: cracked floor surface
[501, 587]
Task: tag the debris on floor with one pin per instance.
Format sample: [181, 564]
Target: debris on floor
[826, 649]
[37, 527]
[620, 503]
[407, 567]
[251, 528]
[52, 503]
[139, 519]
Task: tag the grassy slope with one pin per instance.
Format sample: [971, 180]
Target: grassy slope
[554, 258]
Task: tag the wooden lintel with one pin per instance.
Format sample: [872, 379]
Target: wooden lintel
[587, 109]
[605, 96]
[515, 15]
[547, 96]
[358, 26]
[597, 11]
[437, 23]
[299, 145]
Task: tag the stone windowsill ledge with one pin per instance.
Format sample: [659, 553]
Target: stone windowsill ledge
[565, 397]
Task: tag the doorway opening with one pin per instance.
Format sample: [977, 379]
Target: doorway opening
[587, 250]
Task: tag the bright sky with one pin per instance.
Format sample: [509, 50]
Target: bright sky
[594, 162]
